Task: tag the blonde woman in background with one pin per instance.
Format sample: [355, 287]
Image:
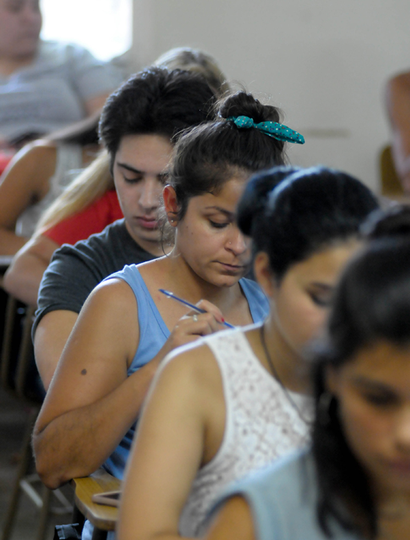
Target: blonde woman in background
[86, 207]
[35, 177]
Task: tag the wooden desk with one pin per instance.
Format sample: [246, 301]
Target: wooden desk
[101, 516]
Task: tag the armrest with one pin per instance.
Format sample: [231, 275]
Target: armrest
[101, 516]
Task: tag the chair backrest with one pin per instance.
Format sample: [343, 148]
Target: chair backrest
[390, 183]
[18, 372]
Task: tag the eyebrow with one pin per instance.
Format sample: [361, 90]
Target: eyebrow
[137, 171]
[222, 210]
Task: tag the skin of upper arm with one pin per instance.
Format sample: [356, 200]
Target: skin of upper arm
[94, 359]
[232, 522]
[24, 275]
[50, 338]
[25, 181]
[167, 451]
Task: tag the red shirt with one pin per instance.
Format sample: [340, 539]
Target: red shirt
[92, 219]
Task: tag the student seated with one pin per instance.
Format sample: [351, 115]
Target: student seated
[86, 207]
[38, 174]
[127, 325]
[354, 482]
[69, 220]
[44, 85]
[239, 399]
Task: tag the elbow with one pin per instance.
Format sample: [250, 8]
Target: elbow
[48, 475]
[49, 470]
[18, 286]
[9, 283]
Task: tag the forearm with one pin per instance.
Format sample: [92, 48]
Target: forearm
[77, 442]
[10, 242]
[23, 278]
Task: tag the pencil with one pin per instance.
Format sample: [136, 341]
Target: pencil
[188, 304]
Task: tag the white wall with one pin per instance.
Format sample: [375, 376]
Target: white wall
[323, 62]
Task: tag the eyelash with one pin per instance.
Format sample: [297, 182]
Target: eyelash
[319, 302]
[218, 225]
[380, 400]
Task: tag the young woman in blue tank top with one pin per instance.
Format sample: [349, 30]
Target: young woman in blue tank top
[126, 327]
[238, 399]
[354, 483]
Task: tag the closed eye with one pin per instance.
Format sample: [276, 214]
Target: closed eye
[321, 299]
[217, 225]
[133, 180]
[381, 399]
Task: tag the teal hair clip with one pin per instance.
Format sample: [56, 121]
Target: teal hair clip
[273, 129]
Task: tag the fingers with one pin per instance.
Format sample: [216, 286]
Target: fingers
[211, 308]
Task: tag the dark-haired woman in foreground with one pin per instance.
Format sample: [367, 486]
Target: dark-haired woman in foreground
[235, 402]
[355, 482]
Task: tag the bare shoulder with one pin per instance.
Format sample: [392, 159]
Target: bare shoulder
[116, 291]
[195, 360]
[192, 374]
[112, 308]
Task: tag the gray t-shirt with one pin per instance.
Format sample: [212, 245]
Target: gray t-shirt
[74, 271]
[50, 93]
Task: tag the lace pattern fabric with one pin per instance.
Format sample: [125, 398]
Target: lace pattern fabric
[261, 425]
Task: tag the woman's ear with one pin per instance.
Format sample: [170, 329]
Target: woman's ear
[171, 205]
[263, 274]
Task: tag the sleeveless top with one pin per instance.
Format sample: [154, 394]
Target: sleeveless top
[261, 425]
[153, 335]
[283, 500]
[69, 161]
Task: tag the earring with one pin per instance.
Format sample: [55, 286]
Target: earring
[323, 408]
[172, 221]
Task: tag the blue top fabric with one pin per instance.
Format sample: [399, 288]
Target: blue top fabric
[153, 335]
[283, 500]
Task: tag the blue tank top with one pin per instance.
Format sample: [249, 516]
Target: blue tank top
[153, 335]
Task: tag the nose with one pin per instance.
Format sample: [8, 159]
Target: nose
[403, 430]
[237, 242]
[150, 193]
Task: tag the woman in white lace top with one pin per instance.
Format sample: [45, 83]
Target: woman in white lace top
[237, 400]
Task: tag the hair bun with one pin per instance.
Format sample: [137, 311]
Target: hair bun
[244, 104]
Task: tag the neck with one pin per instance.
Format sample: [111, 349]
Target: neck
[290, 367]
[8, 65]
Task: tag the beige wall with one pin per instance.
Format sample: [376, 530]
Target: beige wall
[323, 62]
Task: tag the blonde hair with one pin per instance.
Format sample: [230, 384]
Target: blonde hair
[88, 186]
[195, 61]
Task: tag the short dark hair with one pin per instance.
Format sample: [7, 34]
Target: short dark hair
[292, 213]
[212, 153]
[155, 101]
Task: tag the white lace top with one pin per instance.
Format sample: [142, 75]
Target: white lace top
[261, 425]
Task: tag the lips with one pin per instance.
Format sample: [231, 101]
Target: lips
[232, 268]
[147, 222]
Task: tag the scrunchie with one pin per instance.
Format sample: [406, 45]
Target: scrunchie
[273, 129]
